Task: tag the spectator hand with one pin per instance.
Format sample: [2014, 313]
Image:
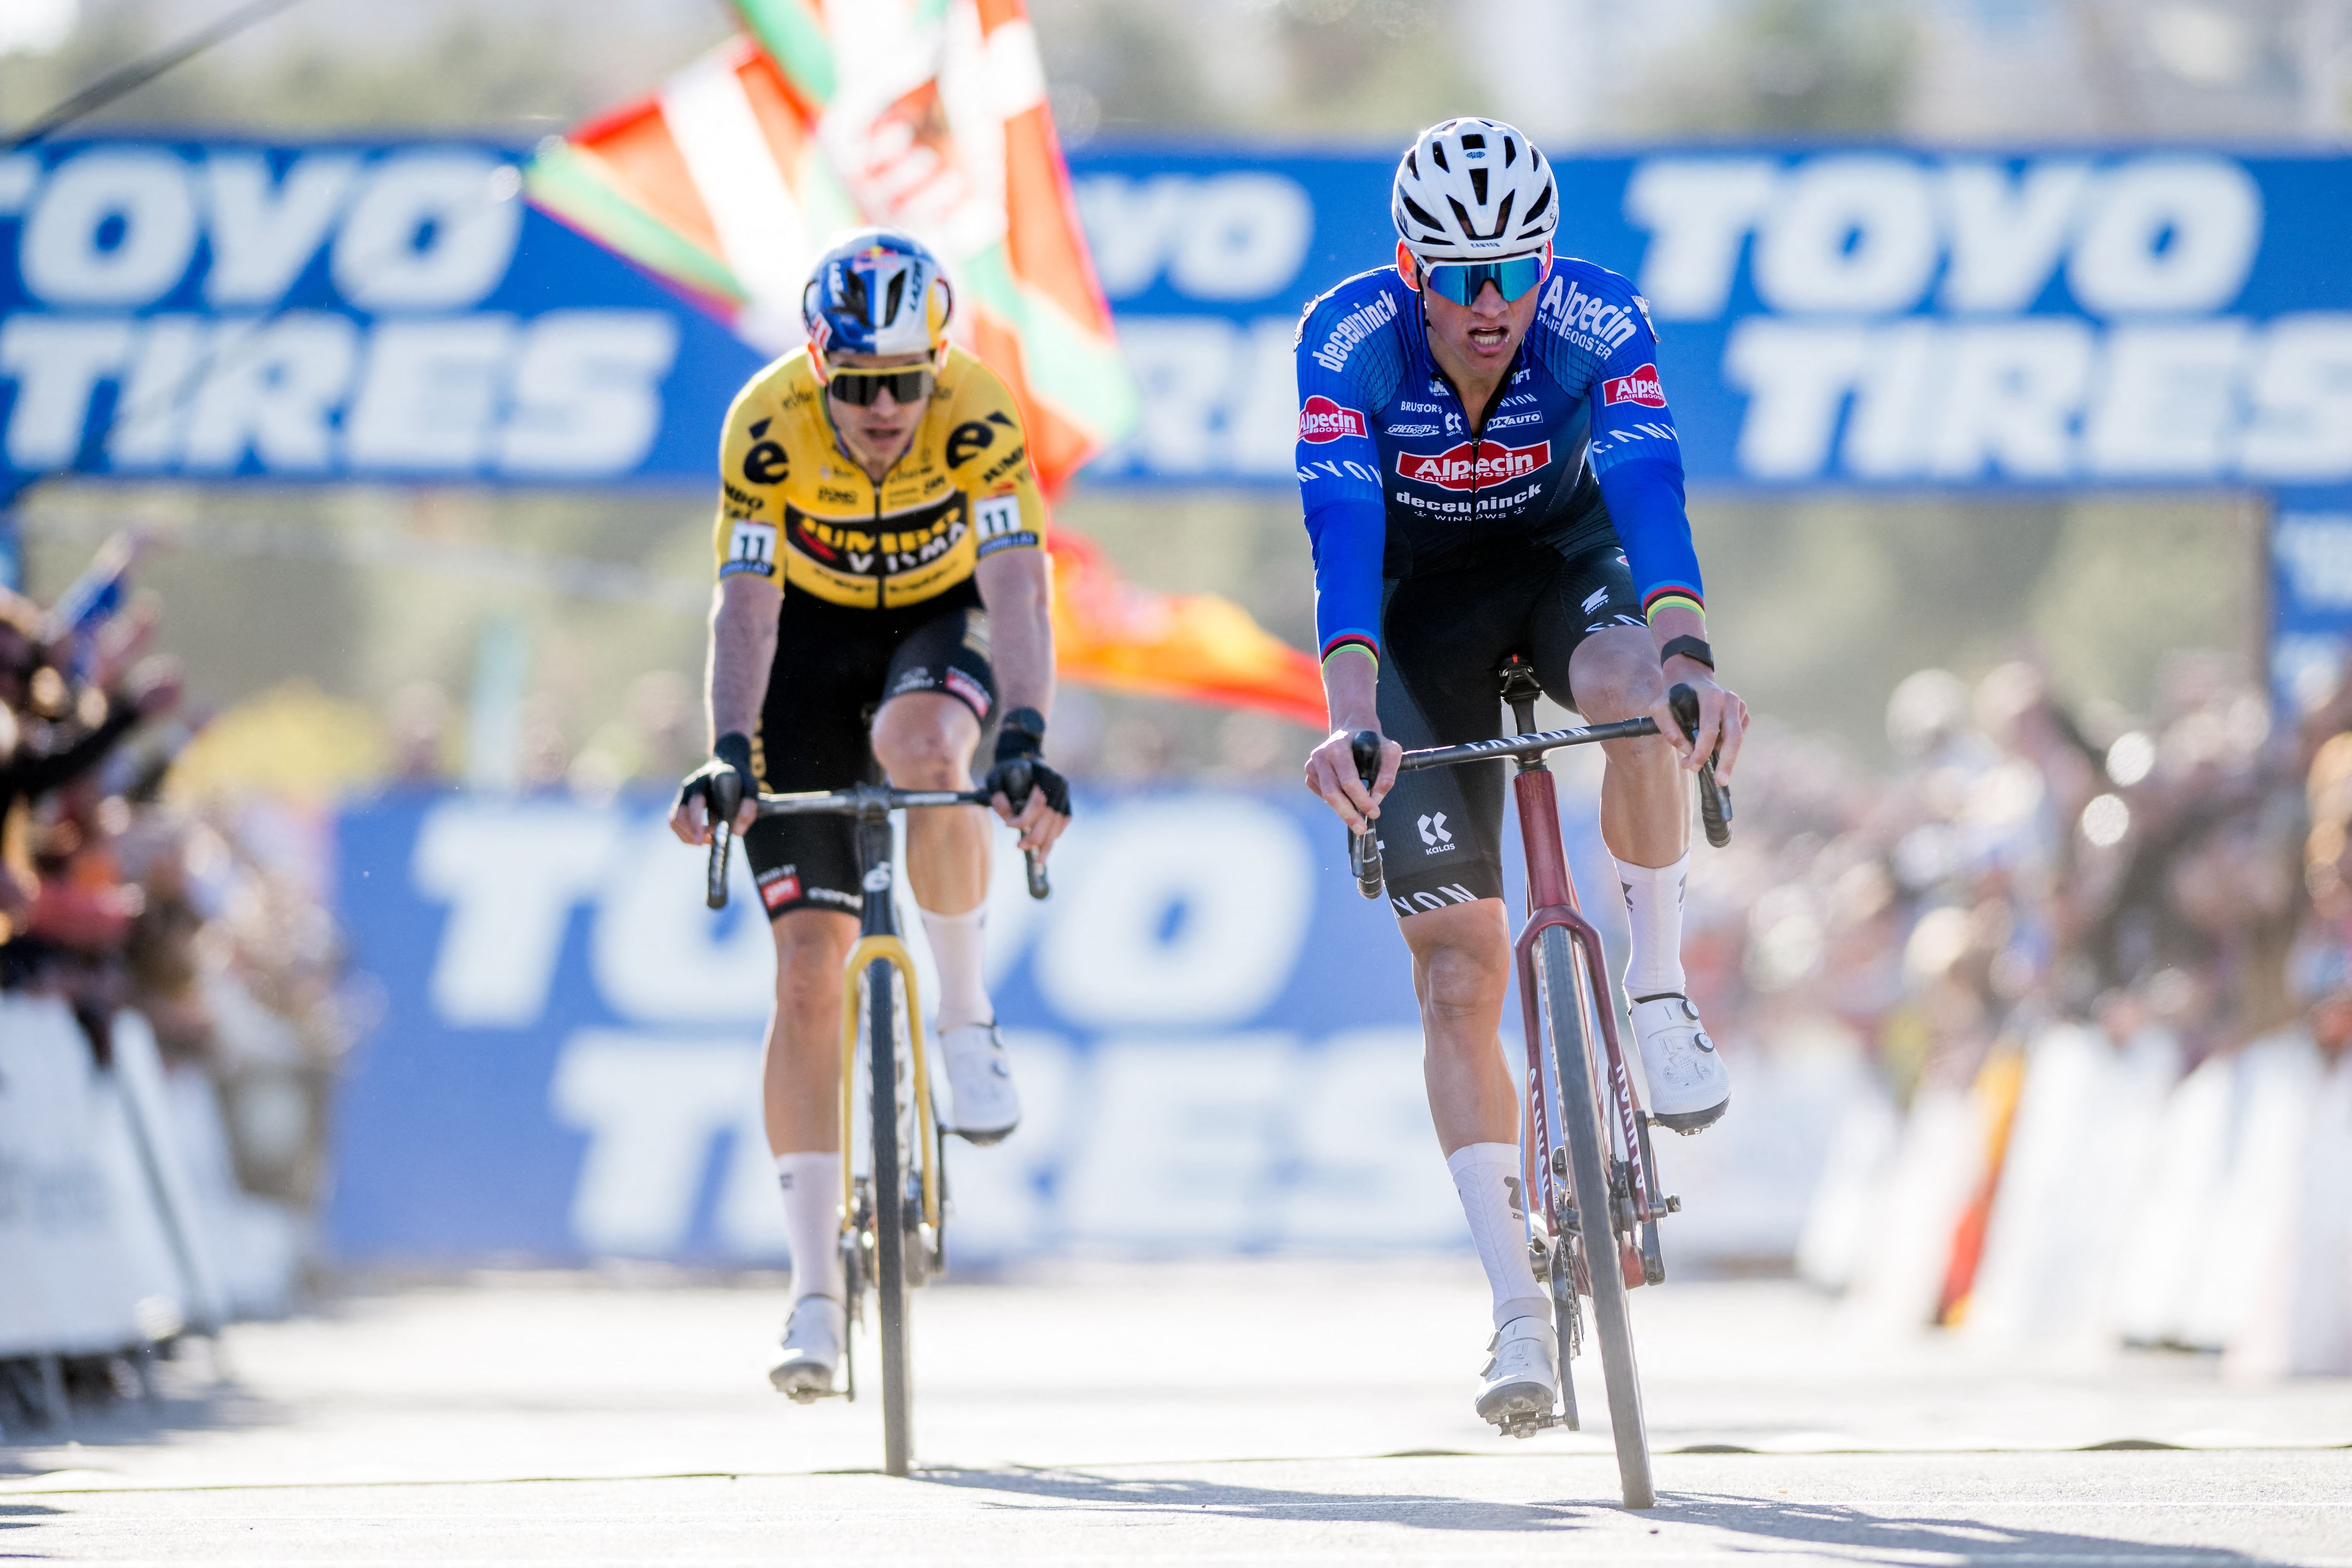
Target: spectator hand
[122, 642]
[153, 689]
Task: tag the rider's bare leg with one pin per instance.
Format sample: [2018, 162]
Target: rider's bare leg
[924, 740]
[1461, 966]
[800, 1076]
[1644, 820]
[800, 1073]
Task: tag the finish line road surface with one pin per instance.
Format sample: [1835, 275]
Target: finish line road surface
[1276, 1412]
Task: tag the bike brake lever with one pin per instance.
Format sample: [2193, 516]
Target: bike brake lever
[1017, 785]
[724, 799]
[1364, 848]
[1714, 797]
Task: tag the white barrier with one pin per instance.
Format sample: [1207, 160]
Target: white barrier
[1939, 1164]
[112, 1236]
[2298, 1317]
[2132, 1206]
[2216, 1196]
[2082, 1143]
[86, 1265]
[1837, 1235]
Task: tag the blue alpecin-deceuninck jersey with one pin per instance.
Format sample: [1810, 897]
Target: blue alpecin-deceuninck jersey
[1578, 450]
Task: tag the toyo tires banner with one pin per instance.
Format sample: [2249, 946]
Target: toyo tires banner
[1832, 315]
[1215, 1037]
[332, 311]
[1214, 1033]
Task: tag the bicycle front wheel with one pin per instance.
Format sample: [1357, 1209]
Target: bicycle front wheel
[889, 1217]
[1589, 1166]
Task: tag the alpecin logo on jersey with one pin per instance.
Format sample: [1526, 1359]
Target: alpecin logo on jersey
[1641, 387]
[1323, 420]
[1455, 468]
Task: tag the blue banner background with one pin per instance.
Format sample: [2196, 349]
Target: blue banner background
[1216, 1034]
[1873, 316]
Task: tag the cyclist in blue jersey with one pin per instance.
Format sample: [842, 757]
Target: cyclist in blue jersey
[1488, 467]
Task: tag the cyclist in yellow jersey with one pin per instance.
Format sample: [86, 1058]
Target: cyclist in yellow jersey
[883, 597]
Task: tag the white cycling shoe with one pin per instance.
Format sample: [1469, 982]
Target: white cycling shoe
[980, 1079]
[1522, 1379]
[813, 1337]
[1688, 1086]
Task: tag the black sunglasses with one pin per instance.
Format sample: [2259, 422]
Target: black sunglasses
[859, 388]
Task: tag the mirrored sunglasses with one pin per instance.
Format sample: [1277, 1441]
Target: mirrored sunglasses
[859, 388]
[1461, 281]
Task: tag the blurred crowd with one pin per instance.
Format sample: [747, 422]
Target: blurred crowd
[205, 917]
[2030, 861]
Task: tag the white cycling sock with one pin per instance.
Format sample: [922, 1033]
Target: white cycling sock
[1487, 1175]
[811, 1184]
[957, 946]
[1653, 907]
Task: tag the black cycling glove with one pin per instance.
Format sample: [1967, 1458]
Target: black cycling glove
[725, 781]
[1020, 747]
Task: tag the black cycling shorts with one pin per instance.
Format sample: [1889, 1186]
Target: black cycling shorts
[834, 667]
[1441, 635]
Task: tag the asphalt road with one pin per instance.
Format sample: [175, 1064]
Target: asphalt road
[1276, 1412]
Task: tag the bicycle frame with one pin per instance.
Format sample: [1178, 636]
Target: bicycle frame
[1552, 901]
[908, 1249]
[878, 938]
[1638, 1204]
[1584, 1144]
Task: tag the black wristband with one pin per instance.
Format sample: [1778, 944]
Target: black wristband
[1688, 648]
[734, 748]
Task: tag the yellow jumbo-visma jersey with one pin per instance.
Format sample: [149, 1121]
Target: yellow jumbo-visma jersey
[963, 491]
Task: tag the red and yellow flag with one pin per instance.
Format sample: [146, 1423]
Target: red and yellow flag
[928, 115]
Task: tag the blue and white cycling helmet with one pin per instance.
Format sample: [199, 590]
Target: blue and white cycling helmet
[876, 291]
[1473, 190]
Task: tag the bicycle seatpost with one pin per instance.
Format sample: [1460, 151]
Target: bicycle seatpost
[725, 799]
[1364, 848]
[1017, 785]
[1713, 798]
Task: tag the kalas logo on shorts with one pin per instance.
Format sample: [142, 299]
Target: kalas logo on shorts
[1641, 387]
[1323, 420]
[1455, 468]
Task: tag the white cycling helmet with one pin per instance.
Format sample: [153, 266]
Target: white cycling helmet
[1473, 190]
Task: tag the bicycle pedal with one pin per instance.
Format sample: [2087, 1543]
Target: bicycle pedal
[1528, 1426]
[811, 1396]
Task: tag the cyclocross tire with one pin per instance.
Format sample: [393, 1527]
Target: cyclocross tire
[889, 1227]
[1580, 1119]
